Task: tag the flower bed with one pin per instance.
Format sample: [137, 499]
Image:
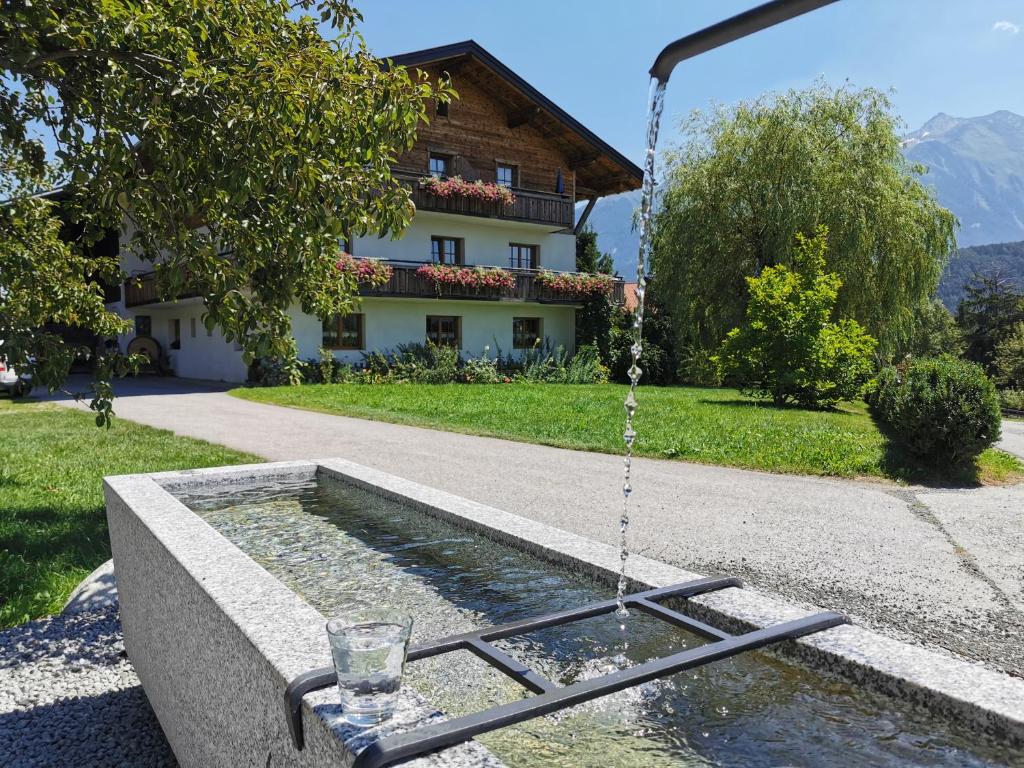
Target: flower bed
[576, 284]
[456, 186]
[470, 277]
[370, 271]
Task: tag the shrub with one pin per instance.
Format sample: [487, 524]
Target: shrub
[788, 350]
[482, 370]
[943, 410]
[1012, 399]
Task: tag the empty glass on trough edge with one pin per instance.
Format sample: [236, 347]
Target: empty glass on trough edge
[369, 646]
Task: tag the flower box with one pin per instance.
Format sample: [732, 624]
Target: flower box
[456, 186]
[368, 271]
[578, 284]
[477, 278]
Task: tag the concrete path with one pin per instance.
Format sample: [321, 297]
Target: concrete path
[938, 567]
[1013, 437]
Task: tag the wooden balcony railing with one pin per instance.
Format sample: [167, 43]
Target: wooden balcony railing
[141, 289]
[532, 206]
[405, 282]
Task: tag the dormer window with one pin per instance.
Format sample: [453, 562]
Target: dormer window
[506, 175]
[439, 165]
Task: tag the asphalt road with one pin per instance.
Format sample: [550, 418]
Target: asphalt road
[938, 567]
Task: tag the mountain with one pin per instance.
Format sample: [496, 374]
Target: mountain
[1002, 258]
[612, 218]
[975, 165]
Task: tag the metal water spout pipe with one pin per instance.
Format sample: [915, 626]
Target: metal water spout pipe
[741, 25]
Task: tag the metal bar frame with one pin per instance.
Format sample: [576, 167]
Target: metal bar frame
[549, 696]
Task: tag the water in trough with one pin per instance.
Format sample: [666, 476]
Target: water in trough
[339, 546]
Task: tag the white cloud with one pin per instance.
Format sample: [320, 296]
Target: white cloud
[1006, 26]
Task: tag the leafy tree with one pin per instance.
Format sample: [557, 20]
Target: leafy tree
[988, 314]
[750, 177]
[590, 258]
[788, 350]
[659, 361]
[1009, 359]
[594, 319]
[935, 333]
[239, 144]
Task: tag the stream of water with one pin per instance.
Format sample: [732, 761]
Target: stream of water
[657, 104]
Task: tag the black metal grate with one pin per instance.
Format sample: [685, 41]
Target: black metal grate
[551, 697]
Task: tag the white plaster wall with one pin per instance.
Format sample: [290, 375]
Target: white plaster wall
[393, 321]
[200, 357]
[485, 241]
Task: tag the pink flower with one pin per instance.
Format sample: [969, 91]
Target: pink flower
[475, 277]
[371, 271]
[578, 284]
[456, 186]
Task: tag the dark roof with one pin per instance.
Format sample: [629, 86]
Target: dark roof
[631, 173]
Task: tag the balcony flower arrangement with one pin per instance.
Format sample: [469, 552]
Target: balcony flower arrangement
[576, 284]
[372, 272]
[456, 186]
[478, 278]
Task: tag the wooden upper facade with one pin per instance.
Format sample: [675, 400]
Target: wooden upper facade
[502, 130]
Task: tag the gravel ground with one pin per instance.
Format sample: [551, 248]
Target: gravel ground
[69, 697]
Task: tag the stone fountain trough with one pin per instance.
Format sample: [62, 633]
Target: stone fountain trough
[215, 638]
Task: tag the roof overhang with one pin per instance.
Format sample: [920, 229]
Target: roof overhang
[600, 168]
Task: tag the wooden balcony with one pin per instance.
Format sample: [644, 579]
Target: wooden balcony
[406, 283]
[141, 289]
[530, 206]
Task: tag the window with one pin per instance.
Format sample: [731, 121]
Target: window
[344, 332]
[522, 256]
[192, 327]
[445, 250]
[506, 175]
[525, 332]
[174, 331]
[143, 325]
[445, 331]
[439, 165]
[441, 109]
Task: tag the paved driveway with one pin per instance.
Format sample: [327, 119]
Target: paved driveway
[939, 567]
[1013, 437]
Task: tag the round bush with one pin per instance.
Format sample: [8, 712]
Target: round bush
[943, 410]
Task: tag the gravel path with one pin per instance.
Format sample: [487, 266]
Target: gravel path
[69, 697]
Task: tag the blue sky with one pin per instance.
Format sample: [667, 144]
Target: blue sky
[962, 57]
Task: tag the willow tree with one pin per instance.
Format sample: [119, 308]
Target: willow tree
[749, 178]
[237, 143]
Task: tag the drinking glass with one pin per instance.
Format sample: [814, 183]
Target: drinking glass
[369, 647]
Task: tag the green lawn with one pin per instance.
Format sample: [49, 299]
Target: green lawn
[714, 426]
[53, 529]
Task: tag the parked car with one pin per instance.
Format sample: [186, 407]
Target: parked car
[11, 382]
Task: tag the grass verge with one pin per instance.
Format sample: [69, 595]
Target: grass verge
[712, 426]
[53, 528]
